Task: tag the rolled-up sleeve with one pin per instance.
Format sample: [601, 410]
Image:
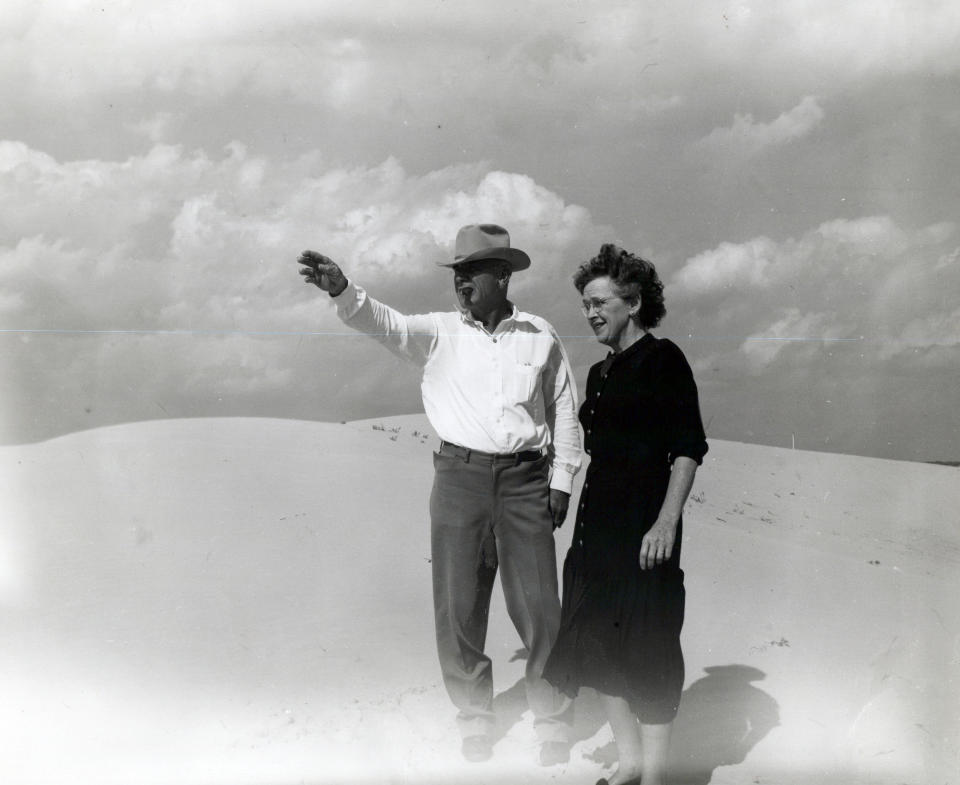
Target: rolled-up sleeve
[684, 427]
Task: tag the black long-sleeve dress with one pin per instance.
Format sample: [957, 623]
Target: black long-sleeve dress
[620, 625]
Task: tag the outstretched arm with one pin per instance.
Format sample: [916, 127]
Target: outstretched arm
[410, 337]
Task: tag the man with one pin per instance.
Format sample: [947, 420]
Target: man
[498, 389]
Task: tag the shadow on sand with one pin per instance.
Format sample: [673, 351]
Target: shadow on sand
[722, 717]
[509, 705]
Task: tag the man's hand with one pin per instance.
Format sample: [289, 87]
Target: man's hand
[323, 272]
[559, 502]
[658, 543]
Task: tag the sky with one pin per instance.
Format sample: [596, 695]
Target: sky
[791, 168]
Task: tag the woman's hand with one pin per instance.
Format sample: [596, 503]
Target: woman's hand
[658, 543]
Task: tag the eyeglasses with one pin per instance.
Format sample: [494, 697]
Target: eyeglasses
[596, 304]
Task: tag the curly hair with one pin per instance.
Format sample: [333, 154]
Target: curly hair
[631, 277]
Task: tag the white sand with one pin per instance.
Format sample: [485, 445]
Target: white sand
[248, 601]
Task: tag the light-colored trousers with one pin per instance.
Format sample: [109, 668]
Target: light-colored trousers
[486, 514]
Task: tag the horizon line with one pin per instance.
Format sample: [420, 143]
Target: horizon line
[354, 333]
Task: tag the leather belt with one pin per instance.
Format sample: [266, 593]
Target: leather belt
[478, 456]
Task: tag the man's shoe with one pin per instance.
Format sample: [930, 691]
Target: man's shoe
[554, 752]
[477, 749]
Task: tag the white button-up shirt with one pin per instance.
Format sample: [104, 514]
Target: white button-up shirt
[501, 392]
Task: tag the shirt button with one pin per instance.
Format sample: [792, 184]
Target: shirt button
[494, 340]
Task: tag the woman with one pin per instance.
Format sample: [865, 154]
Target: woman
[623, 595]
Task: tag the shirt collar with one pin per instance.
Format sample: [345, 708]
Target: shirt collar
[513, 316]
[638, 345]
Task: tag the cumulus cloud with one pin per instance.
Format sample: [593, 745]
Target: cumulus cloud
[844, 42]
[382, 66]
[934, 330]
[836, 249]
[806, 331]
[876, 236]
[157, 128]
[197, 251]
[841, 249]
[866, 280]
[846, 335]
[930, 340]
[373, 130]
[748, 137]
[727, 265]
[176, 239]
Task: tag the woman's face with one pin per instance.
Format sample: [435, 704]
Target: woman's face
[606, 311]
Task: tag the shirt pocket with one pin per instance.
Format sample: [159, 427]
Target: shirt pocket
[521, 386]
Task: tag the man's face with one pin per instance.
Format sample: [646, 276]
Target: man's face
[478, 284]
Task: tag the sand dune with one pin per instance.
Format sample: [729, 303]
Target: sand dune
[248, 601]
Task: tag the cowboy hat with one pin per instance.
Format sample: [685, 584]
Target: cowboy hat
[486, 241]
